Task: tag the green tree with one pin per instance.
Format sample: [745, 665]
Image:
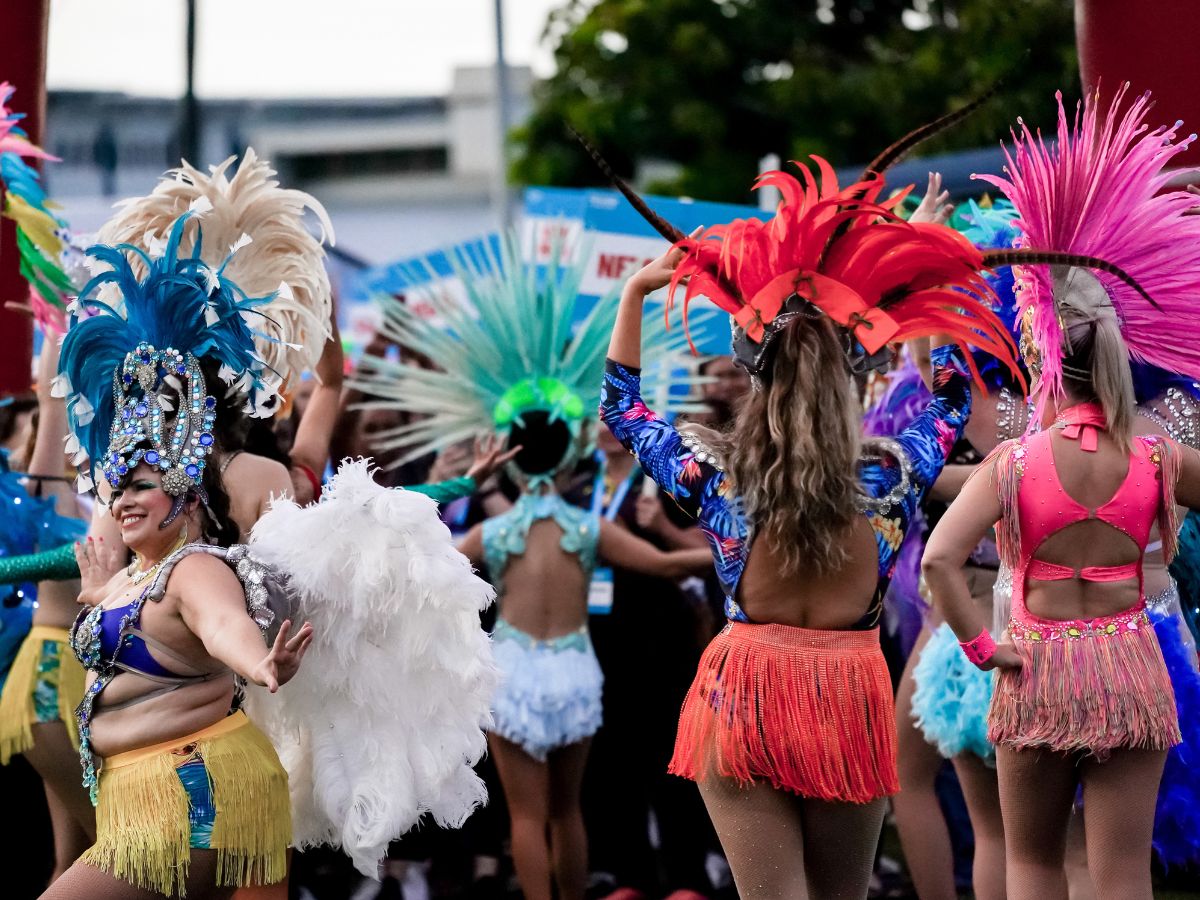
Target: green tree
[711, 86]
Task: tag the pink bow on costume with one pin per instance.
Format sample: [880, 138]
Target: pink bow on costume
[1083, 423]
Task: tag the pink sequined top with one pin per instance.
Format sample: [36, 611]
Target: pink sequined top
[1036, 506]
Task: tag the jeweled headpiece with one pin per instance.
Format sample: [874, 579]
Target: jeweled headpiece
[508, 355]
[130, 364]
[1101, 191]
[140, 391]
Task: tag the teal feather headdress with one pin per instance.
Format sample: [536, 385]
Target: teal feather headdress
[508, 352]
[130, 364]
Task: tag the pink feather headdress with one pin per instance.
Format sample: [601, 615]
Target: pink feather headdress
[1099, 191]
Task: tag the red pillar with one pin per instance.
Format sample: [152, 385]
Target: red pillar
[1150, 44]
[23, 64]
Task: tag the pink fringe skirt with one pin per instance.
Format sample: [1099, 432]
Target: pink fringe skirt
[1091, 686]
[808, 711]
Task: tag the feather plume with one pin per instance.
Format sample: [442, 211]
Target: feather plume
[661, 225]
[516, 324]
[385, 719]
[918, 136]
[163, 303]
[43, 242]
[1101, 191]
[231, 208]
[848, 253]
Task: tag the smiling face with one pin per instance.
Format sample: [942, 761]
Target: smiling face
[139, 505]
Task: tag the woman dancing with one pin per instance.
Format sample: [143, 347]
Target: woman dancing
[788, 726]
[508, 362]
[1083, 698]
[191, 797]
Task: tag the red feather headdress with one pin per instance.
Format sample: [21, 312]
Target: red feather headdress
[847, 254]
[844, 253]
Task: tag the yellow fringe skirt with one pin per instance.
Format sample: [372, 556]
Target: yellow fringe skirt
[142, 827]
[44, 684]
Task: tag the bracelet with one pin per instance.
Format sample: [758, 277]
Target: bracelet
[980, 649]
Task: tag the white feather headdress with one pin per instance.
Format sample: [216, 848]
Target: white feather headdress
[276, 254]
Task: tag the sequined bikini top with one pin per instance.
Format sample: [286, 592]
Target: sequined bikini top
[505, 535]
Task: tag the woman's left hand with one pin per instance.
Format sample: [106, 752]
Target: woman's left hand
[98, 563]
[490, 457]
[282, 663]
[658, 272]
[934, 206]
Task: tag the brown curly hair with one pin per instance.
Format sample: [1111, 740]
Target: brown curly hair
[792, 452]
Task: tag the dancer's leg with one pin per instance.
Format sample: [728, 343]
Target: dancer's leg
[982, 794]
[1119, 796]
[568, 838]
[57, 761]
[924, 836]
[69, 839]
[761, 833]
[526, 784]
[840, 840]
[1079, 879]
[1037, 789]
[84, 882]
[71, 814]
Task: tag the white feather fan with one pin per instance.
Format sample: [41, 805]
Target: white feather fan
[385, 719]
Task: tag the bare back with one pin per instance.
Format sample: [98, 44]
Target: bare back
[251, 481]
[545, 589]
[829, 602]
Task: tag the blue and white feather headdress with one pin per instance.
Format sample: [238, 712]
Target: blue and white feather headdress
[130, 364]
[512, 349]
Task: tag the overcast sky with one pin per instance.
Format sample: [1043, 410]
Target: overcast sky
[287, 47]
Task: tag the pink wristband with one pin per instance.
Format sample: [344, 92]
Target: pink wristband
[980, 649]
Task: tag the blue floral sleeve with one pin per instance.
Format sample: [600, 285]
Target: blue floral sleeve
[932, 435]
[658, 447]
[898, 479]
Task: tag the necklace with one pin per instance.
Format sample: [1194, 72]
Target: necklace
[137, 576]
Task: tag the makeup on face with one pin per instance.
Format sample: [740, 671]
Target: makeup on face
[138, 501]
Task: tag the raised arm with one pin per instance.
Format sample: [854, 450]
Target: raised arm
[625, 347]
[314, 433]
[490, 457]
[47, 464]
[933, 434]
[628, 551]
[658, 446]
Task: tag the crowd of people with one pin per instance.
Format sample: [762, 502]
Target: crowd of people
[911, 550]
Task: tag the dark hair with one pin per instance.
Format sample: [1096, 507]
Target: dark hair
[219, 526]
[10, 412]
[544, 444]
[233, 429]
[262, 440]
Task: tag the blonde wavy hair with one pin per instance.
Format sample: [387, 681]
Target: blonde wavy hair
[792, 453]
[1095, 356]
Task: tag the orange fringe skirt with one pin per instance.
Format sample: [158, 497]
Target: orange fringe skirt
[808, 711]
[1087, 685]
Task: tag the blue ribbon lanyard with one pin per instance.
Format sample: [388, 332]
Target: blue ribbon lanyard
[618, 498]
